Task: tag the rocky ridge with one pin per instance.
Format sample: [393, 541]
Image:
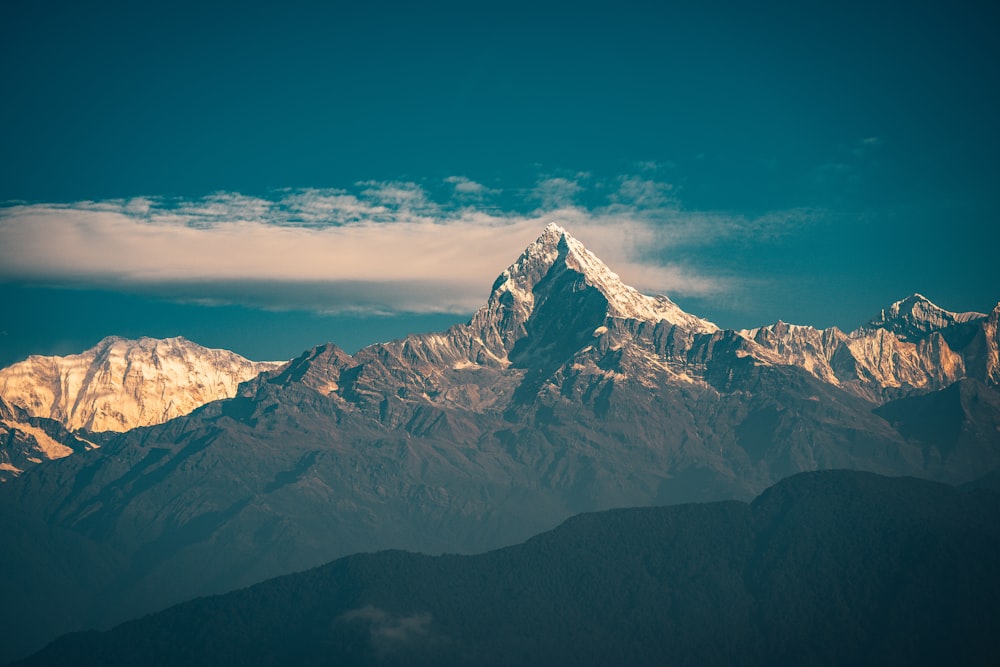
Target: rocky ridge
[912, 346]
[26, 441]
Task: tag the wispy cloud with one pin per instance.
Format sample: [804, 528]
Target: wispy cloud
[388, 632]
[467, 188]
[378, 247]
[557, 192]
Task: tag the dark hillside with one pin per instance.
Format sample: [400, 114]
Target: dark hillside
[823, 568]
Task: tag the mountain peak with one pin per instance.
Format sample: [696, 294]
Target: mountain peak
[121, 383]
[553, 231]
[916, 316]
[557, 251]
[916, 302]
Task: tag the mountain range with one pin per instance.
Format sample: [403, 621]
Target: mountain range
[567, 392]
[121, 384]
[833, 567]
[51, 407]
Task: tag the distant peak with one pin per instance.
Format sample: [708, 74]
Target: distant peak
[142, 342]
[552, 238]
[109, 340]
[552, 230]
[919, 306]
[916, 316]
[557, 249]
[913, 301]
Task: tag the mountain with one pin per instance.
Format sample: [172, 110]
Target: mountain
[915, 317]
[26, 441]
[121, 384]
[834, 567]
[913, 346]
[567, 392]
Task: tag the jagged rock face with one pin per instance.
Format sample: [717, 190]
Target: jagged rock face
[120, 384]
[567, 392]
[559, 267]
[808, 348]
[915, 317]
[912, 346]
[26, 441]
[991, 344]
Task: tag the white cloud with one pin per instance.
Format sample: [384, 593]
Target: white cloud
[388, 632]
[643, 193]
[396, 194]
[385, 247]
[465, 187]
[558, 192]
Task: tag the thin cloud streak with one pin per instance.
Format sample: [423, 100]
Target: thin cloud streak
[387, 247]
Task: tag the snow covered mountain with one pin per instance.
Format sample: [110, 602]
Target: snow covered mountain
[120, 384]
[556, 258]
[566, 392]
[912, 346]
[915, 317]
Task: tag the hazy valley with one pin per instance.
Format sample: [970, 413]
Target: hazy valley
[836, 566]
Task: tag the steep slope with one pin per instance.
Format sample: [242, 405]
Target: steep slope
[982, 351]
[566, 392]
[26, 441]
[824, 568]
[120, 384]
[955, 426]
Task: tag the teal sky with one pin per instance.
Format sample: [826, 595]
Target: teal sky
[755, 161]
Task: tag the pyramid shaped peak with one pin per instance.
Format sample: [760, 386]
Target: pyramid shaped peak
[914, 301]
[557, 252]
[553, 229]
[919, 306]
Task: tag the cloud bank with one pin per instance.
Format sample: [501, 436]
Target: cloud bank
[380, 247]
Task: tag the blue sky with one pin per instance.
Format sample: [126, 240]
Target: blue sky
[266, 177]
